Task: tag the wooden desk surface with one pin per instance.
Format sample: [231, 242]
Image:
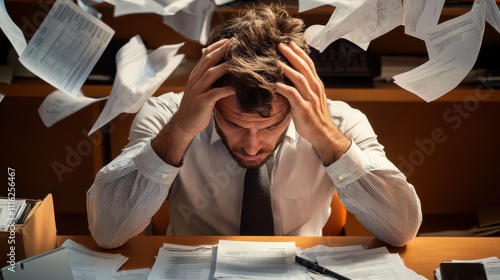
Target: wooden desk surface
[423, 255]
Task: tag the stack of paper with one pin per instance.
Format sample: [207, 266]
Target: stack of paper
[12, 211]
[356, 262]
[274, 260]
[88, 264]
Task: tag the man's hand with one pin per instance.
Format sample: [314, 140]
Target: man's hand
[196, 107]
[308, 102]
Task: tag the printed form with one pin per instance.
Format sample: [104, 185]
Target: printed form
[66, 47]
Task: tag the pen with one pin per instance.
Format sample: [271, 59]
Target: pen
[318, 268]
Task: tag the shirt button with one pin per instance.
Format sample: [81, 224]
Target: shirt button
[164, 176]
[340, 177]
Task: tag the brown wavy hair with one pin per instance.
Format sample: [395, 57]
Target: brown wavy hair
[252, 59]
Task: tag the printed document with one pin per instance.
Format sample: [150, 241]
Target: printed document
[59, 105]
[191, 18]
[376, 263]
[258, 260]
[178, 262]
[66, 47]
[359, 21]
[453, 47]
[138, 76]
[88, 264]
[11, 30]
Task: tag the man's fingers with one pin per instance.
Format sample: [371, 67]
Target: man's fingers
[211, 56]
[290, 93]
[298, 59]
[209, 77]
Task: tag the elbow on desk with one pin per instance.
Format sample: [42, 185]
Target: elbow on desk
[107, 242]
[399, 237]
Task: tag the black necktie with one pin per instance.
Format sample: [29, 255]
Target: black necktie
[256, 212]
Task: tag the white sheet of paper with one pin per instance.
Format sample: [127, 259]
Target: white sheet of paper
[222, 2]
[191, 18]
[306, 5]
[258, 260]
[87, 264]
[133, 274]
[194, 26]
[453, 47]
[321, 250]
[420, 15]
[59, 105]
[11, 30]
[182, 262]
[360, 22]
[493, 14]
[376, 263]
[137, 78]
[66, 46]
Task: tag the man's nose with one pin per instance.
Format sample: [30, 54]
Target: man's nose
[252, 143]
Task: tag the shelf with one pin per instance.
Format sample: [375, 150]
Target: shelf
[380, 93]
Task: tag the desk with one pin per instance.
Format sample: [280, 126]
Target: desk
[423, 255]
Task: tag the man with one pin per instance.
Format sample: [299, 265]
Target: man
[253, 100]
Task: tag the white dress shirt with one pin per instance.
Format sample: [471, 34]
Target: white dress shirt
[205, 193]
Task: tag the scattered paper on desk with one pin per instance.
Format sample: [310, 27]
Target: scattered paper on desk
[59, 105]
[133, 274]
[11, 30]
[376, 263]
[87, 264]
[66, 47]
[138, 76]
[321, 250]
[453, 47]
[177, 262]
[257, 260]
[359, 21]
[491, 266]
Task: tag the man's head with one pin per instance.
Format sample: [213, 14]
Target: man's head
[252, 123]
[252, 58]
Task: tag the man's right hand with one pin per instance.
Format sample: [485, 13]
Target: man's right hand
[196, 107]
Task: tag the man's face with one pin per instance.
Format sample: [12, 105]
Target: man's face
[250, 138]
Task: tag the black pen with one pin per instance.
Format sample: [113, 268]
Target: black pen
[318, 268]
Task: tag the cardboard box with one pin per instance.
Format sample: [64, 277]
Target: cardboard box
[37, 235]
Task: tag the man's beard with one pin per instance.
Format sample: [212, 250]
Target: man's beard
[241, 151]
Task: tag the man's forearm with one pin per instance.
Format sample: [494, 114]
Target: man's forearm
[330, 145]
[171, 143]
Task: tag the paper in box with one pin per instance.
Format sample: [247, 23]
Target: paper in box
[35, 236]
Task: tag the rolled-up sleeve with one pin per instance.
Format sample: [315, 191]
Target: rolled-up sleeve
[372, 188]
[129, 190]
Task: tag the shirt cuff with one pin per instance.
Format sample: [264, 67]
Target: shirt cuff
[151, 166]
[350, 167]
